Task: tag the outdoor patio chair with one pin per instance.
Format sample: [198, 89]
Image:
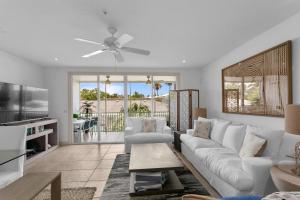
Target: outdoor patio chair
[86, 126]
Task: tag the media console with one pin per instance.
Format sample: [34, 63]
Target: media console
[42, 136]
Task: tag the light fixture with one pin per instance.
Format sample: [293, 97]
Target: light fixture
[56, 59]
[199, 112]
[292, 126]
[148, 82]
[183, 61]
[107, 81]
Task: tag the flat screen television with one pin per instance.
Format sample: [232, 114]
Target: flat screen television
[18, 103]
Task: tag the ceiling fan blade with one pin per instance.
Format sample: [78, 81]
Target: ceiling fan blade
[87, 41]
[93, 53]
[123, 39]
[135, 50]
[119, 56]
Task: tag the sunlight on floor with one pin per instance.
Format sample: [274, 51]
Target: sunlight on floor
[92, 137]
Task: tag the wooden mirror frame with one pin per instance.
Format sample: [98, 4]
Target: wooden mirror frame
[269, 73]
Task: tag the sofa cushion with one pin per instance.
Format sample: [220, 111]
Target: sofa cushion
[288, 143]
[253, 146]
[201, 129]
[273, 137]
[139, 138]
[149, 125]
[226, 164]
[160, 124]
[218, 130]
[195, 142]
[234, 137]
[135, 123]
[212, 121]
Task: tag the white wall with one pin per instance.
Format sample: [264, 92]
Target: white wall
[211, 94]
[56, 81]
[76, 96]
[16, 70]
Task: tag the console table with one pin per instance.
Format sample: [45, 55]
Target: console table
[42, 133]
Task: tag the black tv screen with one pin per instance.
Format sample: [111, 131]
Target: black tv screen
[35, 103]
[19, 103]
[10, 102]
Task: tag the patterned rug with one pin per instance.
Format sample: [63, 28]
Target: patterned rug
[117, 185]
[81, 193]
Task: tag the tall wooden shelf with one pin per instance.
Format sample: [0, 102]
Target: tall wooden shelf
[43, 133]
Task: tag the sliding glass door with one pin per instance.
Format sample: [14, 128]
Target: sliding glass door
[111, 103]
[101, 104]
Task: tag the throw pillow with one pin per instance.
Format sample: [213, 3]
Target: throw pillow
[135, 123]
[160, 124]
[234, 137]
[274, 138]
[201, 129]
[149, 125]
[253, 146]
[208, 120]
[218, 130]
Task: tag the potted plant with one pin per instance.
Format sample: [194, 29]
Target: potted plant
[87, 108]
[75, 116]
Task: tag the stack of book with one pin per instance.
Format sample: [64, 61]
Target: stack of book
[149, 181]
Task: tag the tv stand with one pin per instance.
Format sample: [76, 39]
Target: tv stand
[42, 136]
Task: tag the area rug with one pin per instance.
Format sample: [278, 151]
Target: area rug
[80, 193]
[117, 185]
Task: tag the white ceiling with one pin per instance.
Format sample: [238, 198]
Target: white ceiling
[198, 31]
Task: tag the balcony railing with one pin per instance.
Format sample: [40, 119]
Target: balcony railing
[115, 121]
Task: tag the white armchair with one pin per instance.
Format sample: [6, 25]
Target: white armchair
[12, 138]
[134, 134]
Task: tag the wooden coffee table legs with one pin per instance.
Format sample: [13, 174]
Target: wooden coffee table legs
[56, 188]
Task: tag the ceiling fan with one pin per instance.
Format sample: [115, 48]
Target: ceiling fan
[114, 45]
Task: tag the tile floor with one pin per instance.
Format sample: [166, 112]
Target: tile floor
[81, 165]
[105, 138]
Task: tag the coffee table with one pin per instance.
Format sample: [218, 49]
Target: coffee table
[154, 157]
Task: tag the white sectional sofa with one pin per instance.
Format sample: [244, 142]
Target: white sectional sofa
[218, 160]
[134, 133]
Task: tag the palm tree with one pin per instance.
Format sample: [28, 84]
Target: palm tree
[157, 86]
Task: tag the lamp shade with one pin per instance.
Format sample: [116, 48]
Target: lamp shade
[199, 112]
[292, 119]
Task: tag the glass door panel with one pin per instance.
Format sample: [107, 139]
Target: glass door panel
[111, 104]
[139, 95]
[161, 88]
[85, 109]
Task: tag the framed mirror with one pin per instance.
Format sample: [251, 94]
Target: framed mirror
[259, 85]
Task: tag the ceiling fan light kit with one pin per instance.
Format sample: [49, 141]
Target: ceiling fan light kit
[114, 45]
[148, 82]
[107, 81]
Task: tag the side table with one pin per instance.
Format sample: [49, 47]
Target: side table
[177, 141]
[284, 179]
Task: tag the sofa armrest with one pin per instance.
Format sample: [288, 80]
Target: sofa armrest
[190, 131]
[128, 131]
[259, 169]
[167, 130]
